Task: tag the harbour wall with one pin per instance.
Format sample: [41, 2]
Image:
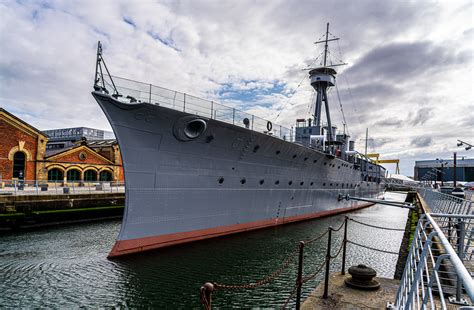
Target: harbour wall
[20, 212]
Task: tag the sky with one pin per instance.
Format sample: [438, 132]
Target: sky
[409, 75]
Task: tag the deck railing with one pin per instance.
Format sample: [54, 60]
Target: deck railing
[45, 187]
[137, 92]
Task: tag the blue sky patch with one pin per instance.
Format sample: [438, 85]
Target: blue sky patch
[129, 21]
[166, 41]
[250, 96]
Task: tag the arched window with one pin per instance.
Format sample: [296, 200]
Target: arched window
[105, 175]
[19, 162]
[55, 175]
[90, 175]
[73, 175]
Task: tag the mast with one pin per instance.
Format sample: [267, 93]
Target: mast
[326, 44]
[321, 79]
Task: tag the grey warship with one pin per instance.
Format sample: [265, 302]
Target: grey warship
[196, 169]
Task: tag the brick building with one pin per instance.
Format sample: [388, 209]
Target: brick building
[26, 154]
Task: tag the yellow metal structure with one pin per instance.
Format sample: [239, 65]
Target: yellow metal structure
[385, 161]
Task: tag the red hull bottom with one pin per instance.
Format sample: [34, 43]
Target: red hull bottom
[125, 247]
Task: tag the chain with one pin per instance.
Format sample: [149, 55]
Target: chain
[374, 249]
[290, 297]
[338, 251]
[263, 281]
[316, 238]
[374, 226]
[306, 279]
[342, 225]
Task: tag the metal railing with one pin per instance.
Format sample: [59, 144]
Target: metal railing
[444, 203]
[133, 92]
[434, 269]
[42, 187]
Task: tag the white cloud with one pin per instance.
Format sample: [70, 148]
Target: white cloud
[198, 47]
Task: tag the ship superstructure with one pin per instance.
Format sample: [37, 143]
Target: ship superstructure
[196, 169]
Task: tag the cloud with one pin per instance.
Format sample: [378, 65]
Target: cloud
[421, 141]
[405, 61]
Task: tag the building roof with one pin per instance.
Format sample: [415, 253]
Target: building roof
[105, 142]
[19, 120]
[460, 162]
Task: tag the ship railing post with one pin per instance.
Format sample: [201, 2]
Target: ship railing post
[212, 108]
[299, 279]
[184, 103]
[344, 246]
[328, 262]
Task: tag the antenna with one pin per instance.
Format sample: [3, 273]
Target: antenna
[326, 48]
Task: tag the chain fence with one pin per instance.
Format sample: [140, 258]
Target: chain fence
[210, 288]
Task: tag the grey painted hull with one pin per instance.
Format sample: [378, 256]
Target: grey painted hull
[227, 180]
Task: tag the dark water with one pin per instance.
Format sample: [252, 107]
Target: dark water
[66, 267]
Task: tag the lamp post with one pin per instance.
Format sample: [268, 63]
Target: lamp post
[442, 167]
[468, 145]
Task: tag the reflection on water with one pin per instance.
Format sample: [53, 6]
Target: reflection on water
[67, 267]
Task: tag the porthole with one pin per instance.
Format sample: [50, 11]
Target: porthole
[255, 149]
[301, 183]
[261, 182]
[291, 182]
[221, 180]
[294, 156]
[277, 182]
[277, 152]
[243, 181]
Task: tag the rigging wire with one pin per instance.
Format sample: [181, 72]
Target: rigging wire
[342, 111]
[299, 84]
[354, 105]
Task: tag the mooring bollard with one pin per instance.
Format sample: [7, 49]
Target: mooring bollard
[299, 280]
[206, 295]
[344, 245]
[328, 262]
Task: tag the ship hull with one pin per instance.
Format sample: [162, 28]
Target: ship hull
[227, 180]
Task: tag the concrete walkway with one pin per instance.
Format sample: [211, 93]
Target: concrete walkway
[343, 297]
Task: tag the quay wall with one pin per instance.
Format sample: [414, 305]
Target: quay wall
[17, 212]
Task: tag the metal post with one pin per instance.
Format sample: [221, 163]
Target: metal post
[454, 173]
[149, 95]
[344, 245]
[328, 261]
[184, 103]
[461, 236]
[299, 280]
